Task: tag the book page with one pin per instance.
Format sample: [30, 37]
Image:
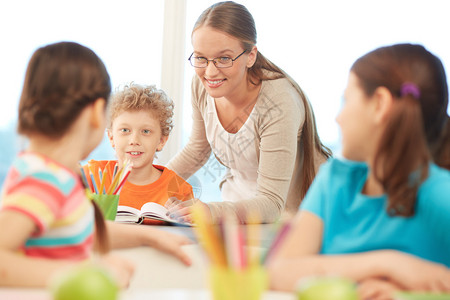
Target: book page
[151, 209]
[128, 210]
[127, 214]
[156, 211]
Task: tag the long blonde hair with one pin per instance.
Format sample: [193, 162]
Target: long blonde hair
[235, 20]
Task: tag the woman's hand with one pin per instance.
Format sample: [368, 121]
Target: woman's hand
[121, 269]
[182, 210]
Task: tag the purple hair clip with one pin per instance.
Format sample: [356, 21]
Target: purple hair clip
[410, 88]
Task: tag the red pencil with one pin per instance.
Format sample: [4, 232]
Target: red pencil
[277, 241]
[117, 190]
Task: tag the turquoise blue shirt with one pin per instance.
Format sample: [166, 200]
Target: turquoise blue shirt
[354, 222]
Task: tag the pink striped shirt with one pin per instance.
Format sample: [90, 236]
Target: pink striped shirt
[54, 198]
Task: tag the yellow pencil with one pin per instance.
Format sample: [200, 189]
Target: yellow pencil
[117, 176]
[213, 245]
[253, 235]
[114, 182]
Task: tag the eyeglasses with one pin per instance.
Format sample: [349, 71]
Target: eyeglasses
[219, 62]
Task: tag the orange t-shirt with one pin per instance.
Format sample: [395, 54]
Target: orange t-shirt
[168, 185]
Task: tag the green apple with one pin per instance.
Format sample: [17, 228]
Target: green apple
[88, 282]
[420, 296]
[327, 289]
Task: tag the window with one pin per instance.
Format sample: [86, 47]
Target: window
[314, 41]
[127, 35]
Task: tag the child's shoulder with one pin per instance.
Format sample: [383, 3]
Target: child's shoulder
[438, 181]
[434, 194]
[175, 183]
[439, 173]
[337, 173]
[340, 173]
[168, 174]
[341, 166]
[43, 169]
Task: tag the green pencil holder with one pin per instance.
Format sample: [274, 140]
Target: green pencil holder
[231, 284]
[107, 204]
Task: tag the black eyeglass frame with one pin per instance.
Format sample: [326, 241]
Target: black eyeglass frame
[214, 61]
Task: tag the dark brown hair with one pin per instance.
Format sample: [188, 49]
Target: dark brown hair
[134, 97]
[60, 81]
[417, 129]
[235, 20]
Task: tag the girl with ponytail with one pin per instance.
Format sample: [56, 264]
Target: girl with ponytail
[47, 224]
[381, 217]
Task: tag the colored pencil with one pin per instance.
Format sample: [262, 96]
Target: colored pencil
[211, 241]
[282, 233]
[103, 180]
[253, 236]
[122, 182]
[85, 181]
[93, 182]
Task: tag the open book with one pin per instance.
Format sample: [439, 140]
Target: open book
[151, 210]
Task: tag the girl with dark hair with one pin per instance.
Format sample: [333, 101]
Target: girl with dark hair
[386, 209]
[46, 220]
[254, 118]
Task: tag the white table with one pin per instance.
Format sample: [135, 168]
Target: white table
[156, 270]
[186, 294]
[160, 276]
[163, 277]
[140, 294]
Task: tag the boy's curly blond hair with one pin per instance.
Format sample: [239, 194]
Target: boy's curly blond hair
[135, 97]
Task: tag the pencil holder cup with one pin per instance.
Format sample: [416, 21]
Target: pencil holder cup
[232, 284]
[107, 204]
